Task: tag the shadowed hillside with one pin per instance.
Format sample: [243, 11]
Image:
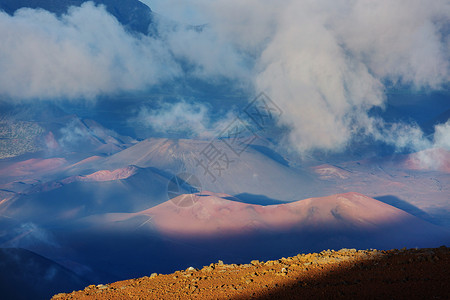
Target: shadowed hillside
[27, 275]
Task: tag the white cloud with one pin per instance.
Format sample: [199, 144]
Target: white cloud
[80, 55]
[442, 136]
[186, 118]
[436, 155]
[206, 53]
[180, 117]
[324, 62]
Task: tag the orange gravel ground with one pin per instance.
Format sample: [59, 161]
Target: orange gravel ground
[344, 274]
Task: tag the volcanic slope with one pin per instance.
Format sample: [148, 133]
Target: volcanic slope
[251, 174]
[215, 225]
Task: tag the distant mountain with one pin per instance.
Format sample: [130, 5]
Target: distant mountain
[72, 134]
[249, 173]
[123, 190]
[27, 275]
[345, 215]
[133, 14]
[101, 208]
[58, 136]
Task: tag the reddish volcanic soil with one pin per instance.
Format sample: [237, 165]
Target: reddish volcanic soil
[33, 166]
[104, 175]
[344, 274]
[212, 214]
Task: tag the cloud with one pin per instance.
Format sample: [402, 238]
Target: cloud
[327, 63]
[206, 54]
[180, 117]
[437, 154]
[401, 135]
[87, 52]
[82, 54]
[188, 119]
[442, 136]
[428, 153]
[405, 41]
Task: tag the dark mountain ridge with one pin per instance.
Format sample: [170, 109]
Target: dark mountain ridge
[133, 14]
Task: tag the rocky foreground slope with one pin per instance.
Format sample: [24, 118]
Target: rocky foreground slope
[343, 274]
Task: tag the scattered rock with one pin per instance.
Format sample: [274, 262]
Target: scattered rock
[209, 269]
[102, 286]
[398, 272]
